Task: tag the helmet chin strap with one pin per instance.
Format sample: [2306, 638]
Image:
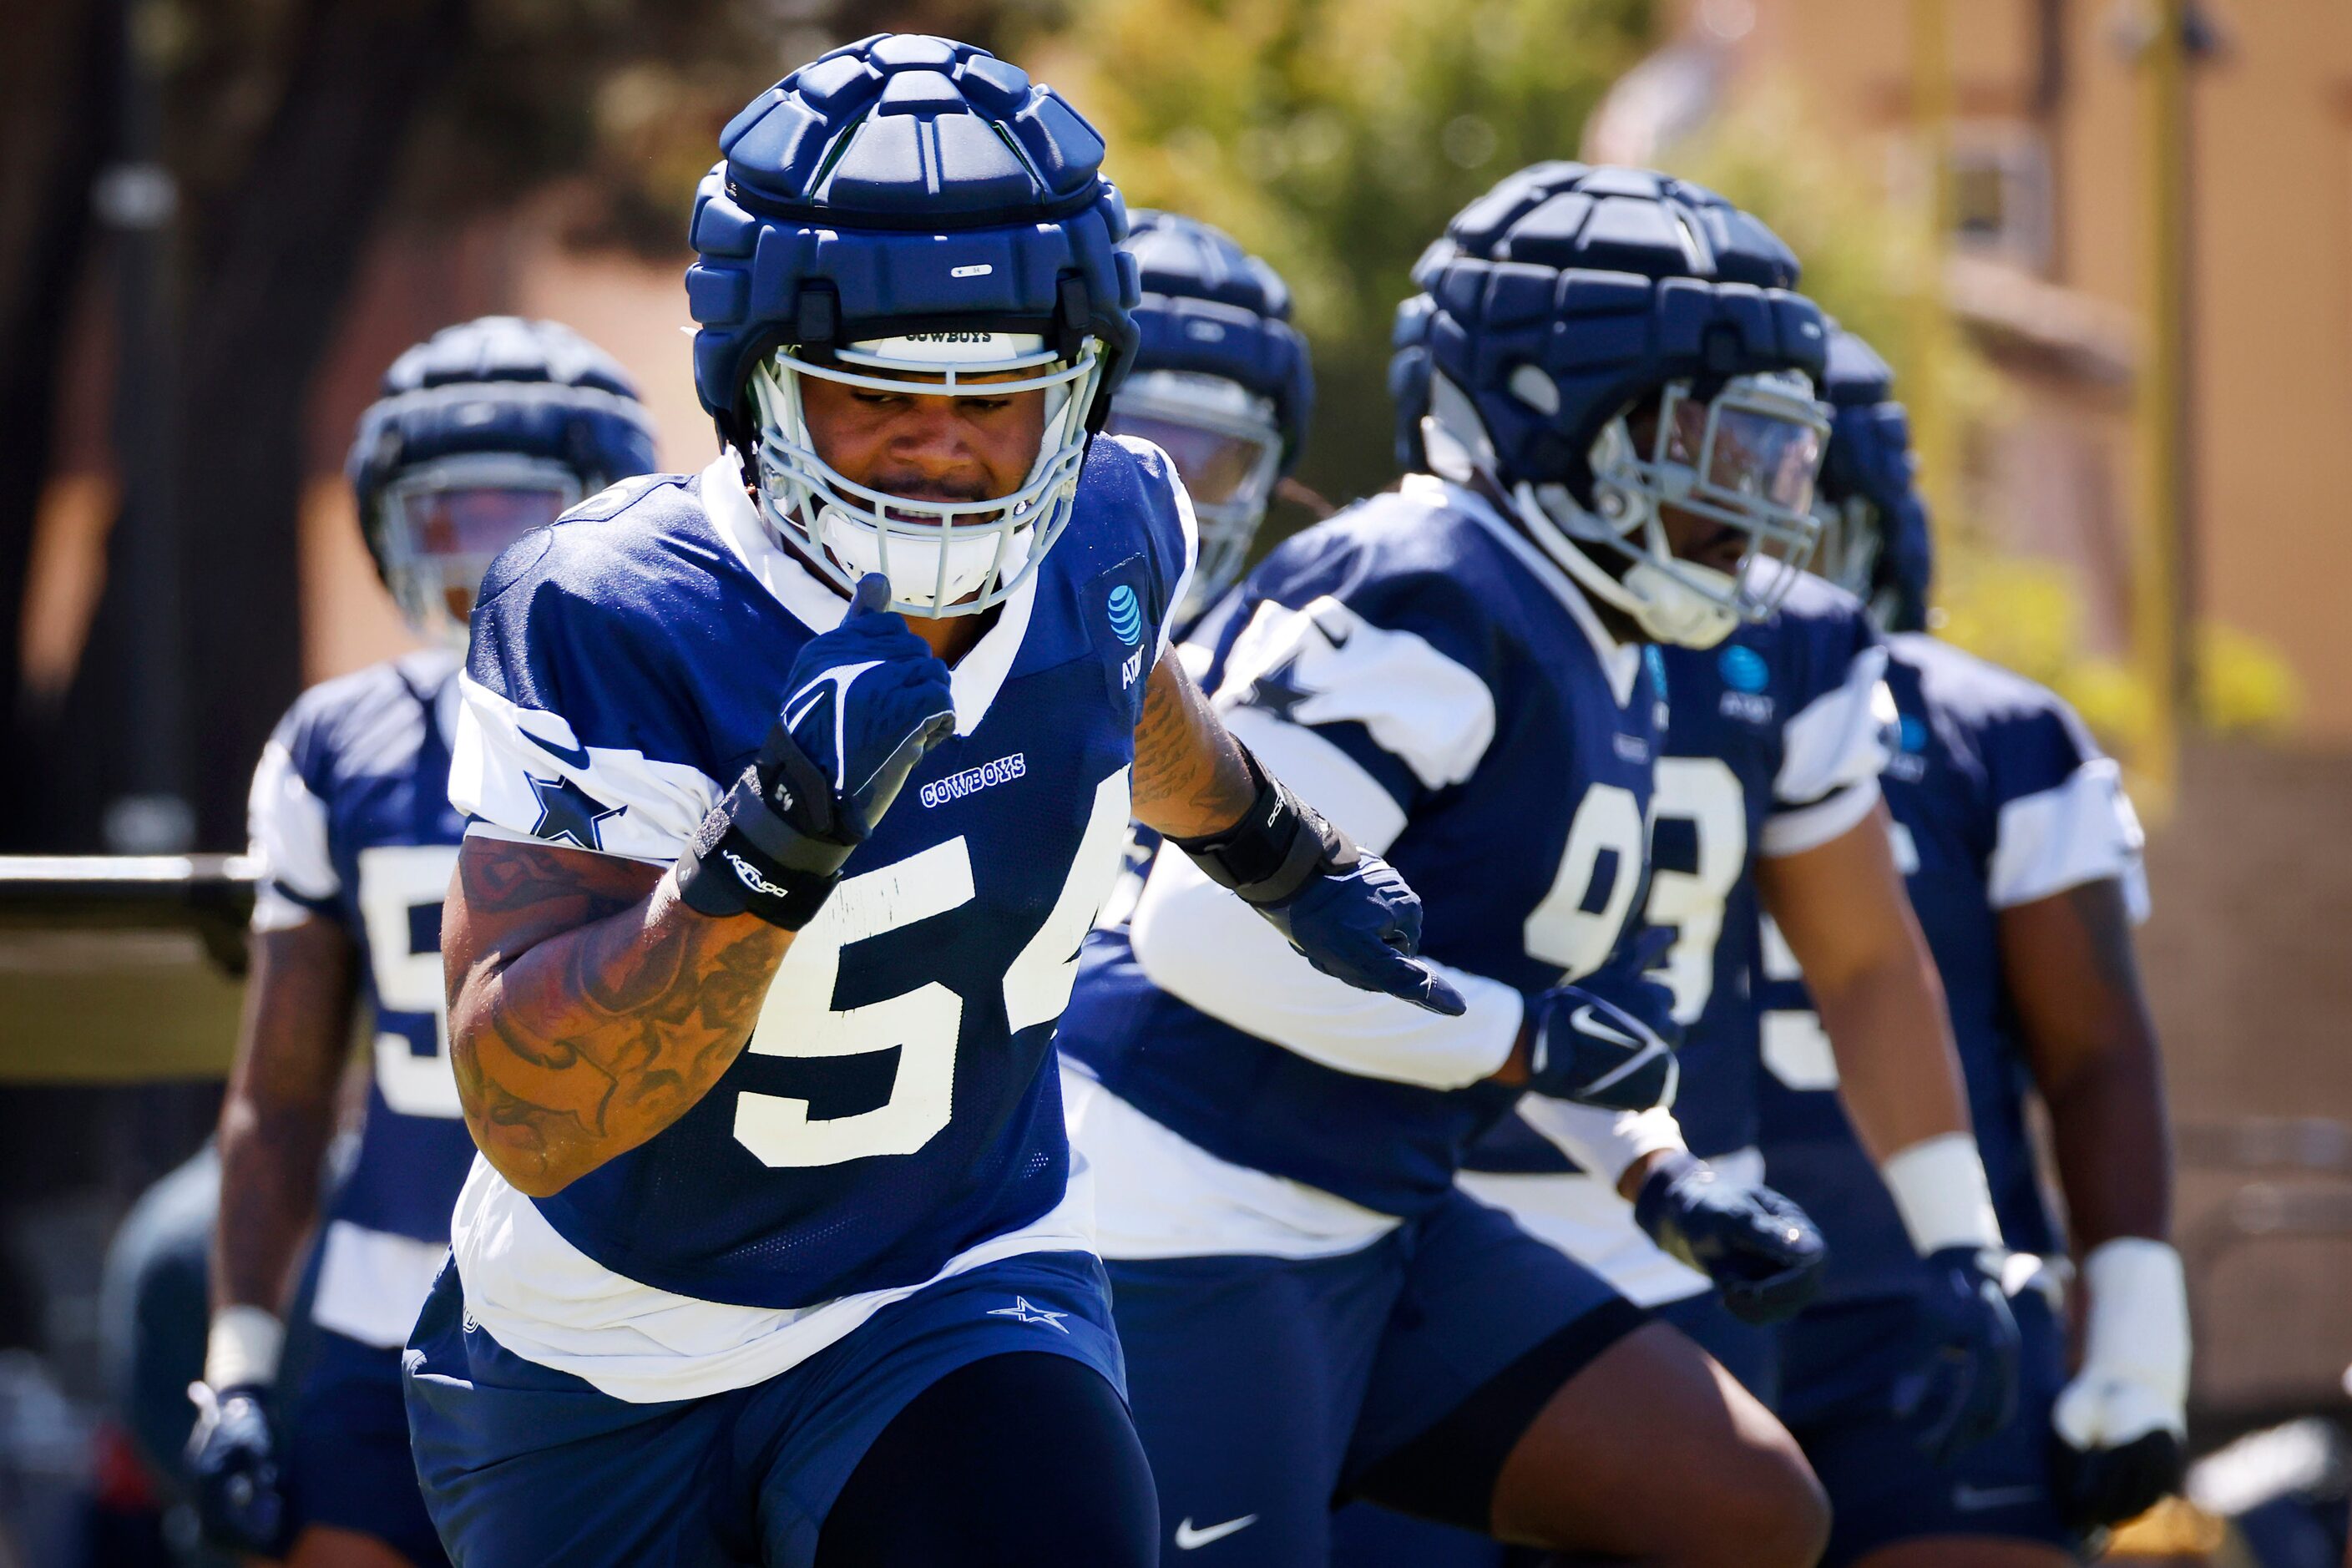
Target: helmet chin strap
[1667, 608]
[1673, 612]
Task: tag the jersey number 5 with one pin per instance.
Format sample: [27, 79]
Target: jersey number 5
[401, 889]
[923, 1024]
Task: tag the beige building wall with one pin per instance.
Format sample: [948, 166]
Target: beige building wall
[2272, 264]
[634, 309]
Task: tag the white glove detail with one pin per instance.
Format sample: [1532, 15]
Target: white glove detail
[2135, 1376]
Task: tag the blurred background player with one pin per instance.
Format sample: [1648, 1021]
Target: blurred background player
[1221, 383]
[2022, 857]
[766, 914]
[484, 432]
[155, 1306]
[1310, 1308]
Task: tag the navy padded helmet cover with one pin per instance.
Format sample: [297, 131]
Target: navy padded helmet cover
[1870, 456]
[904, 182]
[502, 384]
[1409, 378]
[1211, 309]
[1613, 282]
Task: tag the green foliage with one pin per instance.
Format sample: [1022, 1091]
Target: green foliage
[1335, 138]
[2244, 683]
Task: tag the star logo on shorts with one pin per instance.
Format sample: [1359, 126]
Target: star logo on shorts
[1021, 1312]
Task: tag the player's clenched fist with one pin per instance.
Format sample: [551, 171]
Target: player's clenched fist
[1965, 1388]
[864, 702]
[233, 1456]
[1760, 1249]
[1609, 1039]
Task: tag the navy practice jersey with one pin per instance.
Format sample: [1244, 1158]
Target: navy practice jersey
[1772, 746]
[1446, 694]
[2000, 797]
[896, 1105]
[351, 817]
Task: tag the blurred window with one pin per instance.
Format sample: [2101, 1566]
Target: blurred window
[2000, 193]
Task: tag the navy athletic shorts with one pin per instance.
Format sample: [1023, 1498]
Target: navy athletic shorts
[1838, 1366]
[522, 1464]
[1268, 1389]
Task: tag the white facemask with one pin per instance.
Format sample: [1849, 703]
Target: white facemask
[943, 557]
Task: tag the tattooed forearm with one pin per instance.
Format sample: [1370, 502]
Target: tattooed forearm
[588, 1007]
[1188, 780]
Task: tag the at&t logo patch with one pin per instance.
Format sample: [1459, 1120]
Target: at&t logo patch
[1745, 676]
[1126, 614]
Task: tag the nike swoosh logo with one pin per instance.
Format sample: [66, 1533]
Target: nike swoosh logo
[574, 756]
[1585, 1021]
[1190, 1540]
[1976, 1500]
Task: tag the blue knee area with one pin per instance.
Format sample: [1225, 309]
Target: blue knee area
[1840, 1367]
[1749, 1352]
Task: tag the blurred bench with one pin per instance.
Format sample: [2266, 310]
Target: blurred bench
[119, 969]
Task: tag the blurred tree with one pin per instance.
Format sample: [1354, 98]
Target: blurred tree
[1335, 138]
[1868, 261]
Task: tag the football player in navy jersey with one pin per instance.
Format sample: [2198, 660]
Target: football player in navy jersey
[1311, 1309]
[1768, 798]
[1766, 780]
[2022, 857]
[484, 432]
[794, 786]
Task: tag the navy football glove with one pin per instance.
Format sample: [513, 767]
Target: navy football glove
[1609, 1039]
[1347, 911]
[2101, 1488]
[1760, 1249]
[864, 702]
[1965, 1389]
[233, 1456]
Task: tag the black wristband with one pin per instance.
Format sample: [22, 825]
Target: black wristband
[1276, 848]
[747, 859]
